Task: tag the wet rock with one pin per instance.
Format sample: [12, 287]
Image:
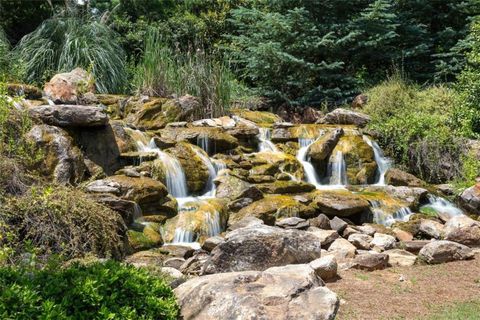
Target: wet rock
[339, 203]
[444, 251]
[292, 223]
[344, 116]
[320, 151]
[326, 236]
[464, 230]
[325, 267]
[70, 115]
[384, 241]
[211, 243]
[215, 139]
[296, 290]
[400, 258]
[259, 247]
[342, 249]
[411, 196]
[361, 241]
[371, 261]
[431, 228]
[70, 87]
[321, 222]
[62, 160]
[397, 177]
[470, 199]
[272, 207]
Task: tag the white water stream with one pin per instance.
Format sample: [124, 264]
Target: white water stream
[265, 143]
[383, 162]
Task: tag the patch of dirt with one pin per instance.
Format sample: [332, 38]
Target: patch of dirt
[381, 294]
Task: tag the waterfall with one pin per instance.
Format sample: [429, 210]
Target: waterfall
[265, 143]
[441, 205]
[212, 172]
[385, 218]
[338, 170]
[383, 163]
[137, 212]
[183, 236]
[204, 142]
[310, 173]
[175, 179]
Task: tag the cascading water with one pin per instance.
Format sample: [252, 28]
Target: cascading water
[338, 170]
[385, 218]
[308, 168]
[204, 142]
[175, 179]
[212, 172]
[441, 205]
[383, 163]
[265, 143]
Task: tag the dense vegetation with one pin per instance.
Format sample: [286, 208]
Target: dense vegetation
[93, 291]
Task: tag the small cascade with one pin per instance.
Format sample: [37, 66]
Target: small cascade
[204, 142]
[338, 170]
[183, 236]
[441, 205]
[137, 212]
[175, 179]
[219, 165]
[383, 163]
[212, 172]
[310, 173]
[265, 141]
[385, 218]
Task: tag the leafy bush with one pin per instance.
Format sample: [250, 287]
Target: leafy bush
[97, 291]
[163, 72]
[418, 128]
[59, 221]
[62, 44]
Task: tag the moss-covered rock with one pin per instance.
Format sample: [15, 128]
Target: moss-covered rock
[196, 171]
[320, 151]
[283, 187]
[149, 237]
[359, 159]
[25, 90]
[284, 163]
[258, 117]
[273, 207]
[215, 139]
[341, 203]
[397, 177]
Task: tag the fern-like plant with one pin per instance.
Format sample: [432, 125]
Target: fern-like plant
[61, 44]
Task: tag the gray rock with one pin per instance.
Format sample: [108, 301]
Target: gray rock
[338, 224]
[383, 241]
[366, 229]
[342, 249]
[248, 221]
[293, 223]
[326, 236]
[344, 116]
[464, 230]
[175, 263]
[260, 247]
[70, 115]
[444, 251]
[431, 228]
[172, 272]
[321, 222]
[371, 261]
[414, 246]
[400, 258]
[289, 292]
[361, 241]
[325, 267]
[469, 200]
[211, 243]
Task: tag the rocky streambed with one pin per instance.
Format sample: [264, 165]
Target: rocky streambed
[251, 214]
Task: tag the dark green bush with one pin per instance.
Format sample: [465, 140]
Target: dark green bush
[96, 291]
[58, 221]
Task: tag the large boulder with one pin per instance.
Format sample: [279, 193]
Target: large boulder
[61, 159]
[359, 159]
[289, 292]
[273, 207]
[397, 177]
[320, 151]
[344, 116]
[70, 115]
[464, 230]
[470, 199]
[257, 117]
[259, 247]
[158, 112]
[232, 188]
[70, 87]
[340, 203]
[444, 251]
[150, 194]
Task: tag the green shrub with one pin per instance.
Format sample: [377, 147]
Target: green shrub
[97, 291]
[58, 221]
[418, 128]
[62, 44]
[163, 72]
